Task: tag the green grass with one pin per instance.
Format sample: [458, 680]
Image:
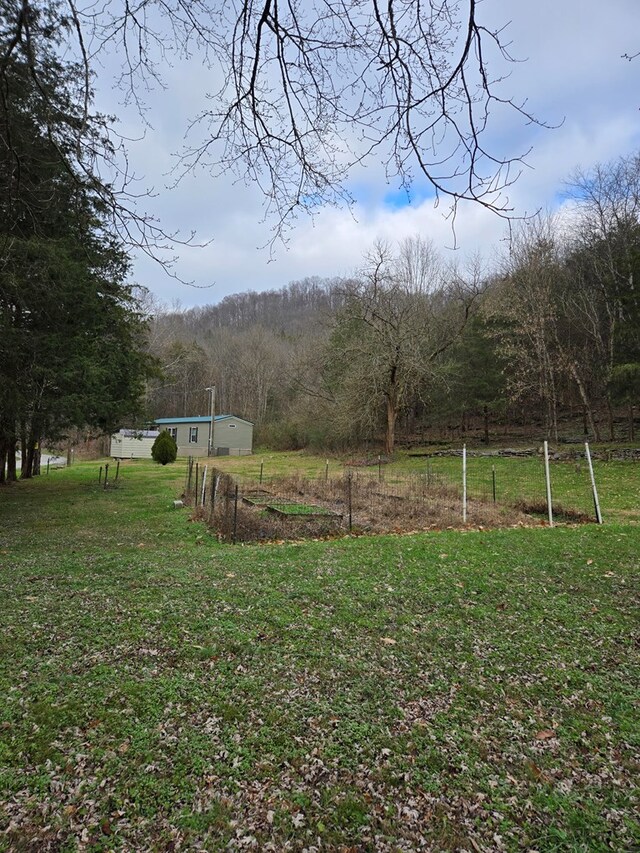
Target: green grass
[161, 691]
[289, 508]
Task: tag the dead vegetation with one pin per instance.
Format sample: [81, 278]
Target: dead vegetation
[300, 508]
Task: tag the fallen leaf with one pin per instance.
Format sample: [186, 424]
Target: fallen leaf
[124, 746]
[388, 641]
[545, 734]
[539, 774]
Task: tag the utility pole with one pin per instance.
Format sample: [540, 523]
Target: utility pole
[212, 393]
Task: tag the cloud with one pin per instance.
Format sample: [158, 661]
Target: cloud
[574, 77]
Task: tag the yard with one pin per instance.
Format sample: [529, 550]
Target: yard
[445, 691]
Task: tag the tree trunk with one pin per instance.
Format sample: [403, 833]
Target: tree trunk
[612, 435]
[390, 435]
[27, 462]
[11, 460]
[588, 412]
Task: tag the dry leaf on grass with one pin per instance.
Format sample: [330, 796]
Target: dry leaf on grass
[545, 734]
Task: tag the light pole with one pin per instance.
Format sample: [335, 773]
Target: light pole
[212, 392]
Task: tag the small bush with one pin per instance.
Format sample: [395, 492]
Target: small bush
[164, 449]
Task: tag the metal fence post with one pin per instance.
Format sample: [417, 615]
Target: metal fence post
[464, 483]
[106, 475]
[349, 490]
[547, 477]
[594, 490]
[204, 486]
[493, 480]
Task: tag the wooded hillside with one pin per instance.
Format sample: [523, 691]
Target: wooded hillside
[546, 340]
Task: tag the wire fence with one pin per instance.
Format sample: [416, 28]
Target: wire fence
[445, 493]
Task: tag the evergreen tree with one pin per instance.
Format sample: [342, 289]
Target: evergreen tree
[164, 449]
[71, 335]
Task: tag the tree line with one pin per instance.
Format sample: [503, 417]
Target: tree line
[410, 346]
[73, 351]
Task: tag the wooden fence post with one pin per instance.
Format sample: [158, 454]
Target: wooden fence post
[235, 515]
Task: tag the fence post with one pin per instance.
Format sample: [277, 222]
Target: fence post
[48, 460]
[117, 470]
[106, 475]
[349, 484]
[235, 515]
[428, 473]
[261, 471]
[596, 502]
[379, 467]
[464, 483]
[547, 478]
[195, 491]
[326, 470]
[100, 475]
[204, 486]
[493, 479]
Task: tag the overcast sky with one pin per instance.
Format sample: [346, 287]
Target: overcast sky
[574, 76]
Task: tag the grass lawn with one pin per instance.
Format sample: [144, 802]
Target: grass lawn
[453, 691]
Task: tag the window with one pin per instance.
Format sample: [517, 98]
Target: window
[173, 432]
[193, 435]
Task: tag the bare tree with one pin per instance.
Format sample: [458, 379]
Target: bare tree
[309, 91]
[398, 321]
[605, 265]
[523, 302]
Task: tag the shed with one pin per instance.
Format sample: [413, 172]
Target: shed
[133, 443]
[231, 435]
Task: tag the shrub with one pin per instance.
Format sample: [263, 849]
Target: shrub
[164, 449]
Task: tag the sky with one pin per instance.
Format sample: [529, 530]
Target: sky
[571, 72]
